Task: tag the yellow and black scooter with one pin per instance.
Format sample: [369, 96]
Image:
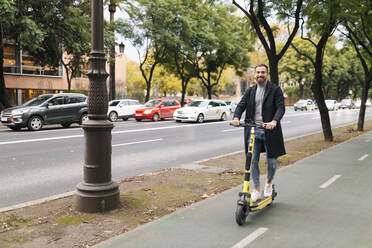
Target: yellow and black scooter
[244, 203]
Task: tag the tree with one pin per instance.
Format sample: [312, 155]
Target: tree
[17, 24]
[67, 36]
[359, 30]
[322, 20]
[221, 46]
[258, 12]
[147, 30]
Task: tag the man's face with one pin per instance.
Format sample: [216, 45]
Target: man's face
[261, 74]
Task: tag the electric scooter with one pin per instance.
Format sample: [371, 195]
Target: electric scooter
[244, 203]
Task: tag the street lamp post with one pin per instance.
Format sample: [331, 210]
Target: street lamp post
[112, 92]
[97, 192]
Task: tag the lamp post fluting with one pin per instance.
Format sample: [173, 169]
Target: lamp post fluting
[97, 192]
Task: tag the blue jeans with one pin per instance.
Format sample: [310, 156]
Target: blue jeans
[272, 163]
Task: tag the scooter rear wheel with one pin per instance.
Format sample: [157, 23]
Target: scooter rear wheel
[241, 214]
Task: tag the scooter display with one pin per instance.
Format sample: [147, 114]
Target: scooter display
[244, 203]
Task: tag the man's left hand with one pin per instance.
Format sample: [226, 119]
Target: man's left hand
[270, 125]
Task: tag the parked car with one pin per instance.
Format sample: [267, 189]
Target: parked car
[368, 103]
[122, 108]
[64, 109]
[347, 103]
[157, 109]
[331, 104]
[304, 104]
[231, 105]
[201, 110]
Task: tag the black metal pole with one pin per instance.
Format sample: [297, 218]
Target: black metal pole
[97, 192]
[112, 82]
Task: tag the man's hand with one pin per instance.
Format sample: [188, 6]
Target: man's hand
[235, 122]
[270, 125]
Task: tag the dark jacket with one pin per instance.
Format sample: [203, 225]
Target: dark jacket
[272, 109]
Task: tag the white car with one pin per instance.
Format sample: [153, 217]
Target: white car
[123, 108]
[332, 104]
[202, 110]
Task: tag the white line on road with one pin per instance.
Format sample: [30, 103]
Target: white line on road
[125, 131]
[243, 243]
[138, 142]
[368, 140]
[43, 139]
[232, 129]
[363, 157]
[330, 181]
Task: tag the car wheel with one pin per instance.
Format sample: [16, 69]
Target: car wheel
[200, 118]
[178, 121]
[66, 124]
[223, 117]
[138, 120]
[125, 118]
[113, 116]
[155, 117]
[35, 123]
[14, 128]
[83, 118]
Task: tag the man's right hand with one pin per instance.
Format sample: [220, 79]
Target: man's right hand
[235, 122]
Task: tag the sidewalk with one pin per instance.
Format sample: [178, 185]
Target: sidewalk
[326, 204]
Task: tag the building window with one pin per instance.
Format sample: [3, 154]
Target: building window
[19, 62]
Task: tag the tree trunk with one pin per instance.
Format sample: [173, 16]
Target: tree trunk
[3, 97]
[274, 71]
[301, 88]
[148, 89]
[362, 111]
[316, 87]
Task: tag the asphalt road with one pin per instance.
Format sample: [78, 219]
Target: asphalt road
[35, 165]
[323, 201]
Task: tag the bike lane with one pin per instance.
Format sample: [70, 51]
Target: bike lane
[323, 201]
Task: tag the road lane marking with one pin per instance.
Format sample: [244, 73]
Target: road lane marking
[137, 142]
[250, 238]
[368, 140]
[330, 181]
[363, 157]
[42, 139]
[117, 132]
[229, 130]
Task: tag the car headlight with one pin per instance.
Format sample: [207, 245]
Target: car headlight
[146, 112]
[19, 111]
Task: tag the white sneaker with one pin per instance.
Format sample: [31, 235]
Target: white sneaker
[255, 195]
[268, 190]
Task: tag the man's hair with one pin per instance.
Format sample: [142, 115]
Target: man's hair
[262, 65]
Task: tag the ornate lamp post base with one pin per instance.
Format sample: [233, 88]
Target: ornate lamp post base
[97, 193]
[97, 198]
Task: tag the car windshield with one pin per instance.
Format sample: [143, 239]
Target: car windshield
[345, 101]
[301, 101]
[114, 103]
[227, 102]
[152, 103]
[37, 101]
[197, 104]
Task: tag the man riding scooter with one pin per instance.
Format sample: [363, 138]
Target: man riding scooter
[264, 104]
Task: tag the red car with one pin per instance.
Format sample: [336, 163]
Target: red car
[157, 109]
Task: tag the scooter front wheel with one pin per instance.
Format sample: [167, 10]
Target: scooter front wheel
[241, 214]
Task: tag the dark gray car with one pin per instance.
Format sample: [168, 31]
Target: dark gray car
[64, 109]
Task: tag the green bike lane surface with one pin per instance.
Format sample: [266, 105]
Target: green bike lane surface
[302, 215]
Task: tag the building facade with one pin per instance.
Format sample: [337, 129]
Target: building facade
[24, 80]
